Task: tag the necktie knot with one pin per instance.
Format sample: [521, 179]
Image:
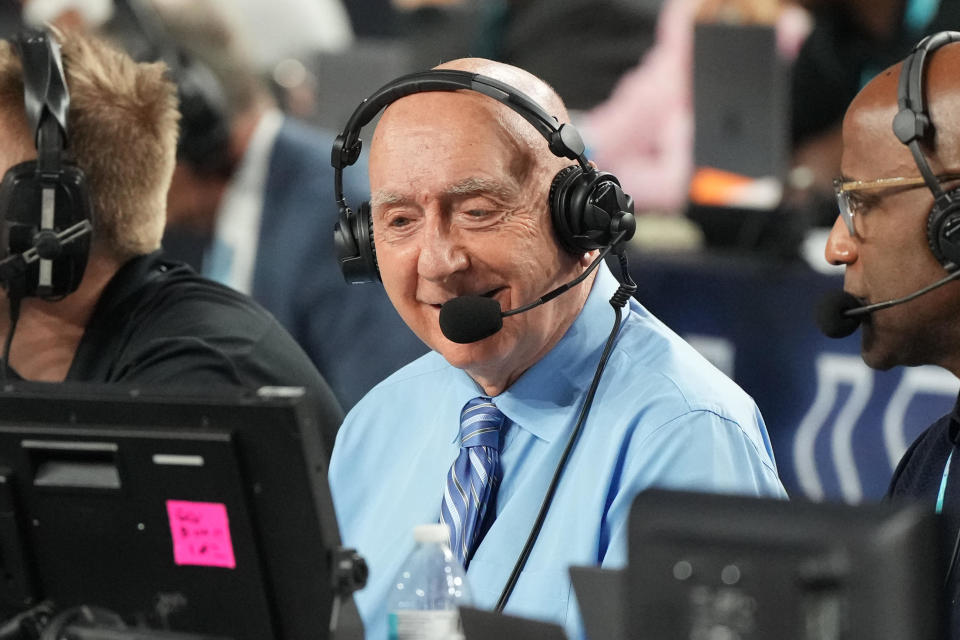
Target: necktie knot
[480, 423]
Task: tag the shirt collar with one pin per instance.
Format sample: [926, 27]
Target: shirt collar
[241, 207]
[251, 174]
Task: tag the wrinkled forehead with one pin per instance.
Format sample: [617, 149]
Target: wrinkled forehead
[464, 114]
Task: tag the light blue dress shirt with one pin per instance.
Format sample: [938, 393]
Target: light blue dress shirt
[663, 416]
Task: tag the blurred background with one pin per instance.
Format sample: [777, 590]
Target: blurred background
[720, 117]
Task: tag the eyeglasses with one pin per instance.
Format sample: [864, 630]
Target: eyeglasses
[848, 205]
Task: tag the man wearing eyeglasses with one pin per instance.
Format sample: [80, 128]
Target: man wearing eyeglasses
[899, 200]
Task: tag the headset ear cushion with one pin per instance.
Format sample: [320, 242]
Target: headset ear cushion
[943, 230]
[365, 240]
[20, 194]
[353, 241]
[564, 220]
[589, 209]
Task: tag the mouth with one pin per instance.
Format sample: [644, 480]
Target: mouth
[488, 294]
[861, 300]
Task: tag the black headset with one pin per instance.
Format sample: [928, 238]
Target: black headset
[43, 197]
[912, 126]
[204, 121]
[587, 206]
[204, 125]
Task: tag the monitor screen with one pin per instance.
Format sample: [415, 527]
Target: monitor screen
[710, 566]
[205, 515]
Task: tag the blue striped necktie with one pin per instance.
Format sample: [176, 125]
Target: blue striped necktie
[473, 476]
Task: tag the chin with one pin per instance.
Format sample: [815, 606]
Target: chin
[472, 355]
[876, 354]
[880, 362]
[465, 356]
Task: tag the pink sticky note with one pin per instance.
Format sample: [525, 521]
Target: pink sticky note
[201, 534]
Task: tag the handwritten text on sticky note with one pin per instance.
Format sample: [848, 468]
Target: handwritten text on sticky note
[201, 534]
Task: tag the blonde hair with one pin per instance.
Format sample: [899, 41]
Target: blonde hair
[122, 132]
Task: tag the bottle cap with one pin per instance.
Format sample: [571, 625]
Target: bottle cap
[431, 533]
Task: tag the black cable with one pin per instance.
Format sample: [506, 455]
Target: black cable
[14, 308]
[619, 299]
[566, 287]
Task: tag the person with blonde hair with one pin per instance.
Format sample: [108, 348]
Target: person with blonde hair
[129, 315]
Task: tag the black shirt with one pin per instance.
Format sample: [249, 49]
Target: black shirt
[159, 323]
[918, 477]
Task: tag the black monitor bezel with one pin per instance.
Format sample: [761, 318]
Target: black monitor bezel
[276, 436]
[885, 562]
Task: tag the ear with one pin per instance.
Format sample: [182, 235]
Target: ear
[588, 258]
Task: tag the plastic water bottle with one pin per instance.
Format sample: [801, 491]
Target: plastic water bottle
[429, 588]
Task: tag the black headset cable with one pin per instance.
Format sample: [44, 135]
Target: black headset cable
[619, 299]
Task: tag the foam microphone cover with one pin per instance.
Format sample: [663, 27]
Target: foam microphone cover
[470, 318]
[830, 314]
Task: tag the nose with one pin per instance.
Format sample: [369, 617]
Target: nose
[441, 253]
[841, 247]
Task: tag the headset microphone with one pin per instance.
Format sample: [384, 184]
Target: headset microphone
[469, 319]
[839, 313]
[832, 318]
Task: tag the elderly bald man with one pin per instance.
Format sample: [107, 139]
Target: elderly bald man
[461, 190]
[894, 239]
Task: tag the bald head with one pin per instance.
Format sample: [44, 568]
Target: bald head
[524, 81]
[872, 111]
[533, 156]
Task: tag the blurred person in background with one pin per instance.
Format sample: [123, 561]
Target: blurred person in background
[644, 130]
[835, 47]
[252, 190]
[580, 47]
[282, 29]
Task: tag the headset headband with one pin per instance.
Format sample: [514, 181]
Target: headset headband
[563, 139]
[912, 122]
[45, 96]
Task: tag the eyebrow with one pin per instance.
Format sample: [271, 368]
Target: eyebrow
[481, 186]
[467, 187]
[381, 198]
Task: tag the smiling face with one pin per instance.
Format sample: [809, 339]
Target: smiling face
[459, 207]
[889, 257]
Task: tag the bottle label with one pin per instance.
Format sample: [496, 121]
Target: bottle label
[424, 624]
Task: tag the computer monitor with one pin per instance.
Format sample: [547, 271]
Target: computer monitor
[713, 566]
[192, 514]
[741, 140]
